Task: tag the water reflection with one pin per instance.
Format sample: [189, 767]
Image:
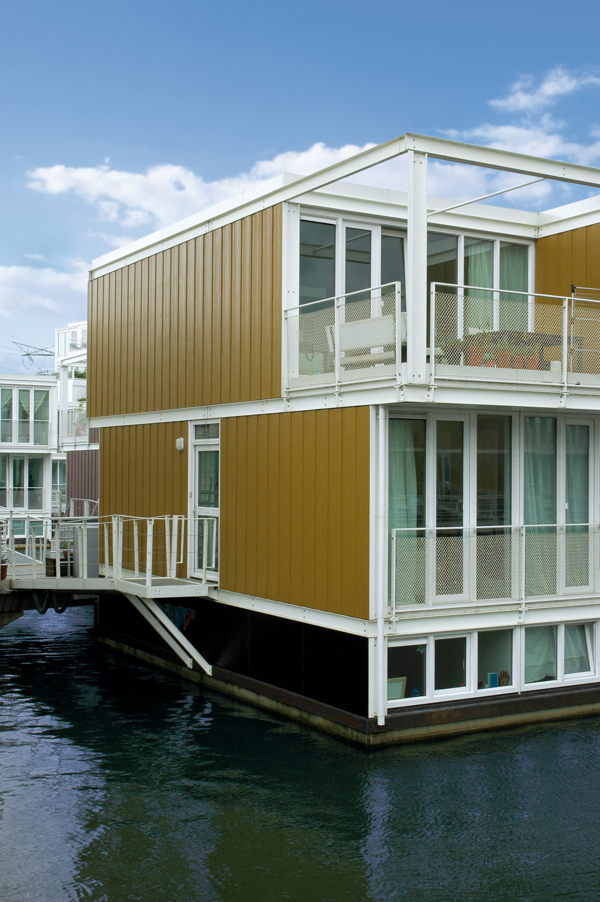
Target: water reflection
[118, 782]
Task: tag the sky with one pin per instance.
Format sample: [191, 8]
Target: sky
[119, 118]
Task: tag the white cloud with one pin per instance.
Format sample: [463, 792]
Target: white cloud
[164, 194]
[39, 257]
[36, 301]
[525, 97]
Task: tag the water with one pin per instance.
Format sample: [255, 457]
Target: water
[118, 782]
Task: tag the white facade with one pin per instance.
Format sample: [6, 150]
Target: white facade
[29, 455]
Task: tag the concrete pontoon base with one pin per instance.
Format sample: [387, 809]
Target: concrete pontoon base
[418, 724]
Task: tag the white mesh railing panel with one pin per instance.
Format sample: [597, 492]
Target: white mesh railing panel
[346, 339]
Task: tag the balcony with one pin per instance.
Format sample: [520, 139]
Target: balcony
[73, 426]
[455, 565]
[343, 341]
[509, 337]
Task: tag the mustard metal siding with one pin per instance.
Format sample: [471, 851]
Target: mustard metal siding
[141, 472]
[197, 324]
[568, 258]
[295, 508]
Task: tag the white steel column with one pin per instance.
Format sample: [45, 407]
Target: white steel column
[416, 268]
[380, 557]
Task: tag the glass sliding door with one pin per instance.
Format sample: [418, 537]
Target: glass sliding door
[449, 555]
[494, 488]
[577, 506]
[540, 458]
[24, 407]
[479, 272]
[317, 283]
[393, 269]
[406, 510]
[514, 276]
[358, 274]
[442, 266]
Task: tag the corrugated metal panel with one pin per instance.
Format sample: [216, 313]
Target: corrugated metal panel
[142, 474]
[83, 471]
[568, 258]
[295, 508]
[197, 324]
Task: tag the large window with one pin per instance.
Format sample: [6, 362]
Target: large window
[317, 261]
[206, 499]
[24, 416]
[21, 482]
[489, 661]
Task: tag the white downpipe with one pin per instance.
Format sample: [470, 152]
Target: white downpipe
[381, 581]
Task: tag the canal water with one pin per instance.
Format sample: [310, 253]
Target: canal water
[119, 782]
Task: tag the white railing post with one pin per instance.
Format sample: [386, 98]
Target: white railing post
[120, 545]
[106, 550]
[336, 333]
[71, 507]
[398, 317]
[432, 336]
[115, 540]
[393, 569]
[79, 533]
[174, 542]
[149, 541]
[136, 548]
[523, 565]
[86, 508]
[565, 342]
[167, 547]
[84, 550]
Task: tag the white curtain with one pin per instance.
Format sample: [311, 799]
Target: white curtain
[403, 508]
[577, 550]
[540, 505]
[576, 651]
[479, 271]
[514, 271]
[540, 653]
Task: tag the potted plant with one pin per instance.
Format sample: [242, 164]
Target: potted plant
[503, 353]
[518, 354]
[532, 360]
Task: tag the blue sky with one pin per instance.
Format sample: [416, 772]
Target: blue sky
[117, 118]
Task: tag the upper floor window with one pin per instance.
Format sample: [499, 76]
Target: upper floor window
[24, 415]
[339, 258]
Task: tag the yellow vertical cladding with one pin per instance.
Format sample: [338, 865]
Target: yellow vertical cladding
[569, 258]
[193, 325]
[295, 508]
[141, 472]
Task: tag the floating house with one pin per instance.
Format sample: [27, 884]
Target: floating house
[376, 415]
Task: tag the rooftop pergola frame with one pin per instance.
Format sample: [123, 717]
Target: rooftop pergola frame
[418, 149]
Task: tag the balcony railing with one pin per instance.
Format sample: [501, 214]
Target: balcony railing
[73, 426]
[508, 336]
[493, 564]
[338, 342]
[151, 552]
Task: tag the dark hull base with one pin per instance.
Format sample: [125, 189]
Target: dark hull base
[415, 725]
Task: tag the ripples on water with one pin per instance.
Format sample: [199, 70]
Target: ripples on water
[118, 782]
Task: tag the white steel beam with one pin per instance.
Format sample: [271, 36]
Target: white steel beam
[506, 160]
[416, 268]
[168, 626]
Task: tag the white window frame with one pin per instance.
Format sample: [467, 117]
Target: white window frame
[195, 511]
[10, 489]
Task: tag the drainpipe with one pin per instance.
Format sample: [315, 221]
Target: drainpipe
[381, 580]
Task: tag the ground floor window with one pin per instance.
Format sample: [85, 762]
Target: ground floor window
[488, 661]
[21, 482]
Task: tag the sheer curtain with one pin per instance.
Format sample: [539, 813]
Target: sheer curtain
[479, 271]
[540, 505]
[577, 549]
[577, 659]
[514, 272]
[540, 653]
[405, 505]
